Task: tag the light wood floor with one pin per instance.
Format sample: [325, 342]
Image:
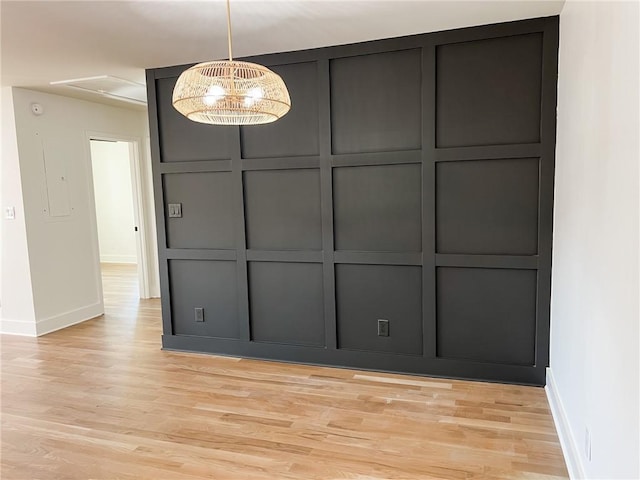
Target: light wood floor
[100, 400]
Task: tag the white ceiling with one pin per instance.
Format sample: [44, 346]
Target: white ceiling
[45, 41]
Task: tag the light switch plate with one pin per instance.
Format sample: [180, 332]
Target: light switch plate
[175, 210]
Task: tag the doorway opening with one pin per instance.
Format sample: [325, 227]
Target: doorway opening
[119, 220]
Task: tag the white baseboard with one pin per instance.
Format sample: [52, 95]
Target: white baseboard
[17, 327]
[118, 259]
[66, 319]
[569, 446]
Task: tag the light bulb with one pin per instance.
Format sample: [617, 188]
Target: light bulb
[214, 93]
[253, 95]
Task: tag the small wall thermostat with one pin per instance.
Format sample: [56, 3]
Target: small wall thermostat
[37, 109]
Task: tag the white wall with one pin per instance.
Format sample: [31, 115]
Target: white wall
[114, 201]
[595, 364]
[17, 314]
[54, 157]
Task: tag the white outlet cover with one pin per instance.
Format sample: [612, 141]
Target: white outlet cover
[10, 213]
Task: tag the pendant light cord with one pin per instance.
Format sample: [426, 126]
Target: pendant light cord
[229, 30]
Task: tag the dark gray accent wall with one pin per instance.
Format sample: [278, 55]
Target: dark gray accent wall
[282, 209]
[376, 102]
[411, 182]
[386, 292]
[377, 208]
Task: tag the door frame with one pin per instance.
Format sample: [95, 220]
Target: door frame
[139, 216]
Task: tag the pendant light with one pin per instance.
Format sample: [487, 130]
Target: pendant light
[229, 92]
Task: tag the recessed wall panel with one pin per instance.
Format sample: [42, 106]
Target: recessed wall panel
[286, 303]
[206, 284]
[376, 102]
[488, 92]
[368, 293]
[486, 315]
[207, 210]
[487, 207]
[377, 208]
[282, 209]
[183, 140]
[295, 134]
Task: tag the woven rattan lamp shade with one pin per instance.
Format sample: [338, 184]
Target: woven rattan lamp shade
[228, 92]
[231, 93]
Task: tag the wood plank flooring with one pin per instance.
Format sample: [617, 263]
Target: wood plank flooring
[100, 400]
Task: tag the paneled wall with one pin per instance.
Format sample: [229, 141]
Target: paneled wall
[412, 182]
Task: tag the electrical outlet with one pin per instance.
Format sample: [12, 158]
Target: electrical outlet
[199, 314]
[175, 210]
[587, 444]
[383, 327]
